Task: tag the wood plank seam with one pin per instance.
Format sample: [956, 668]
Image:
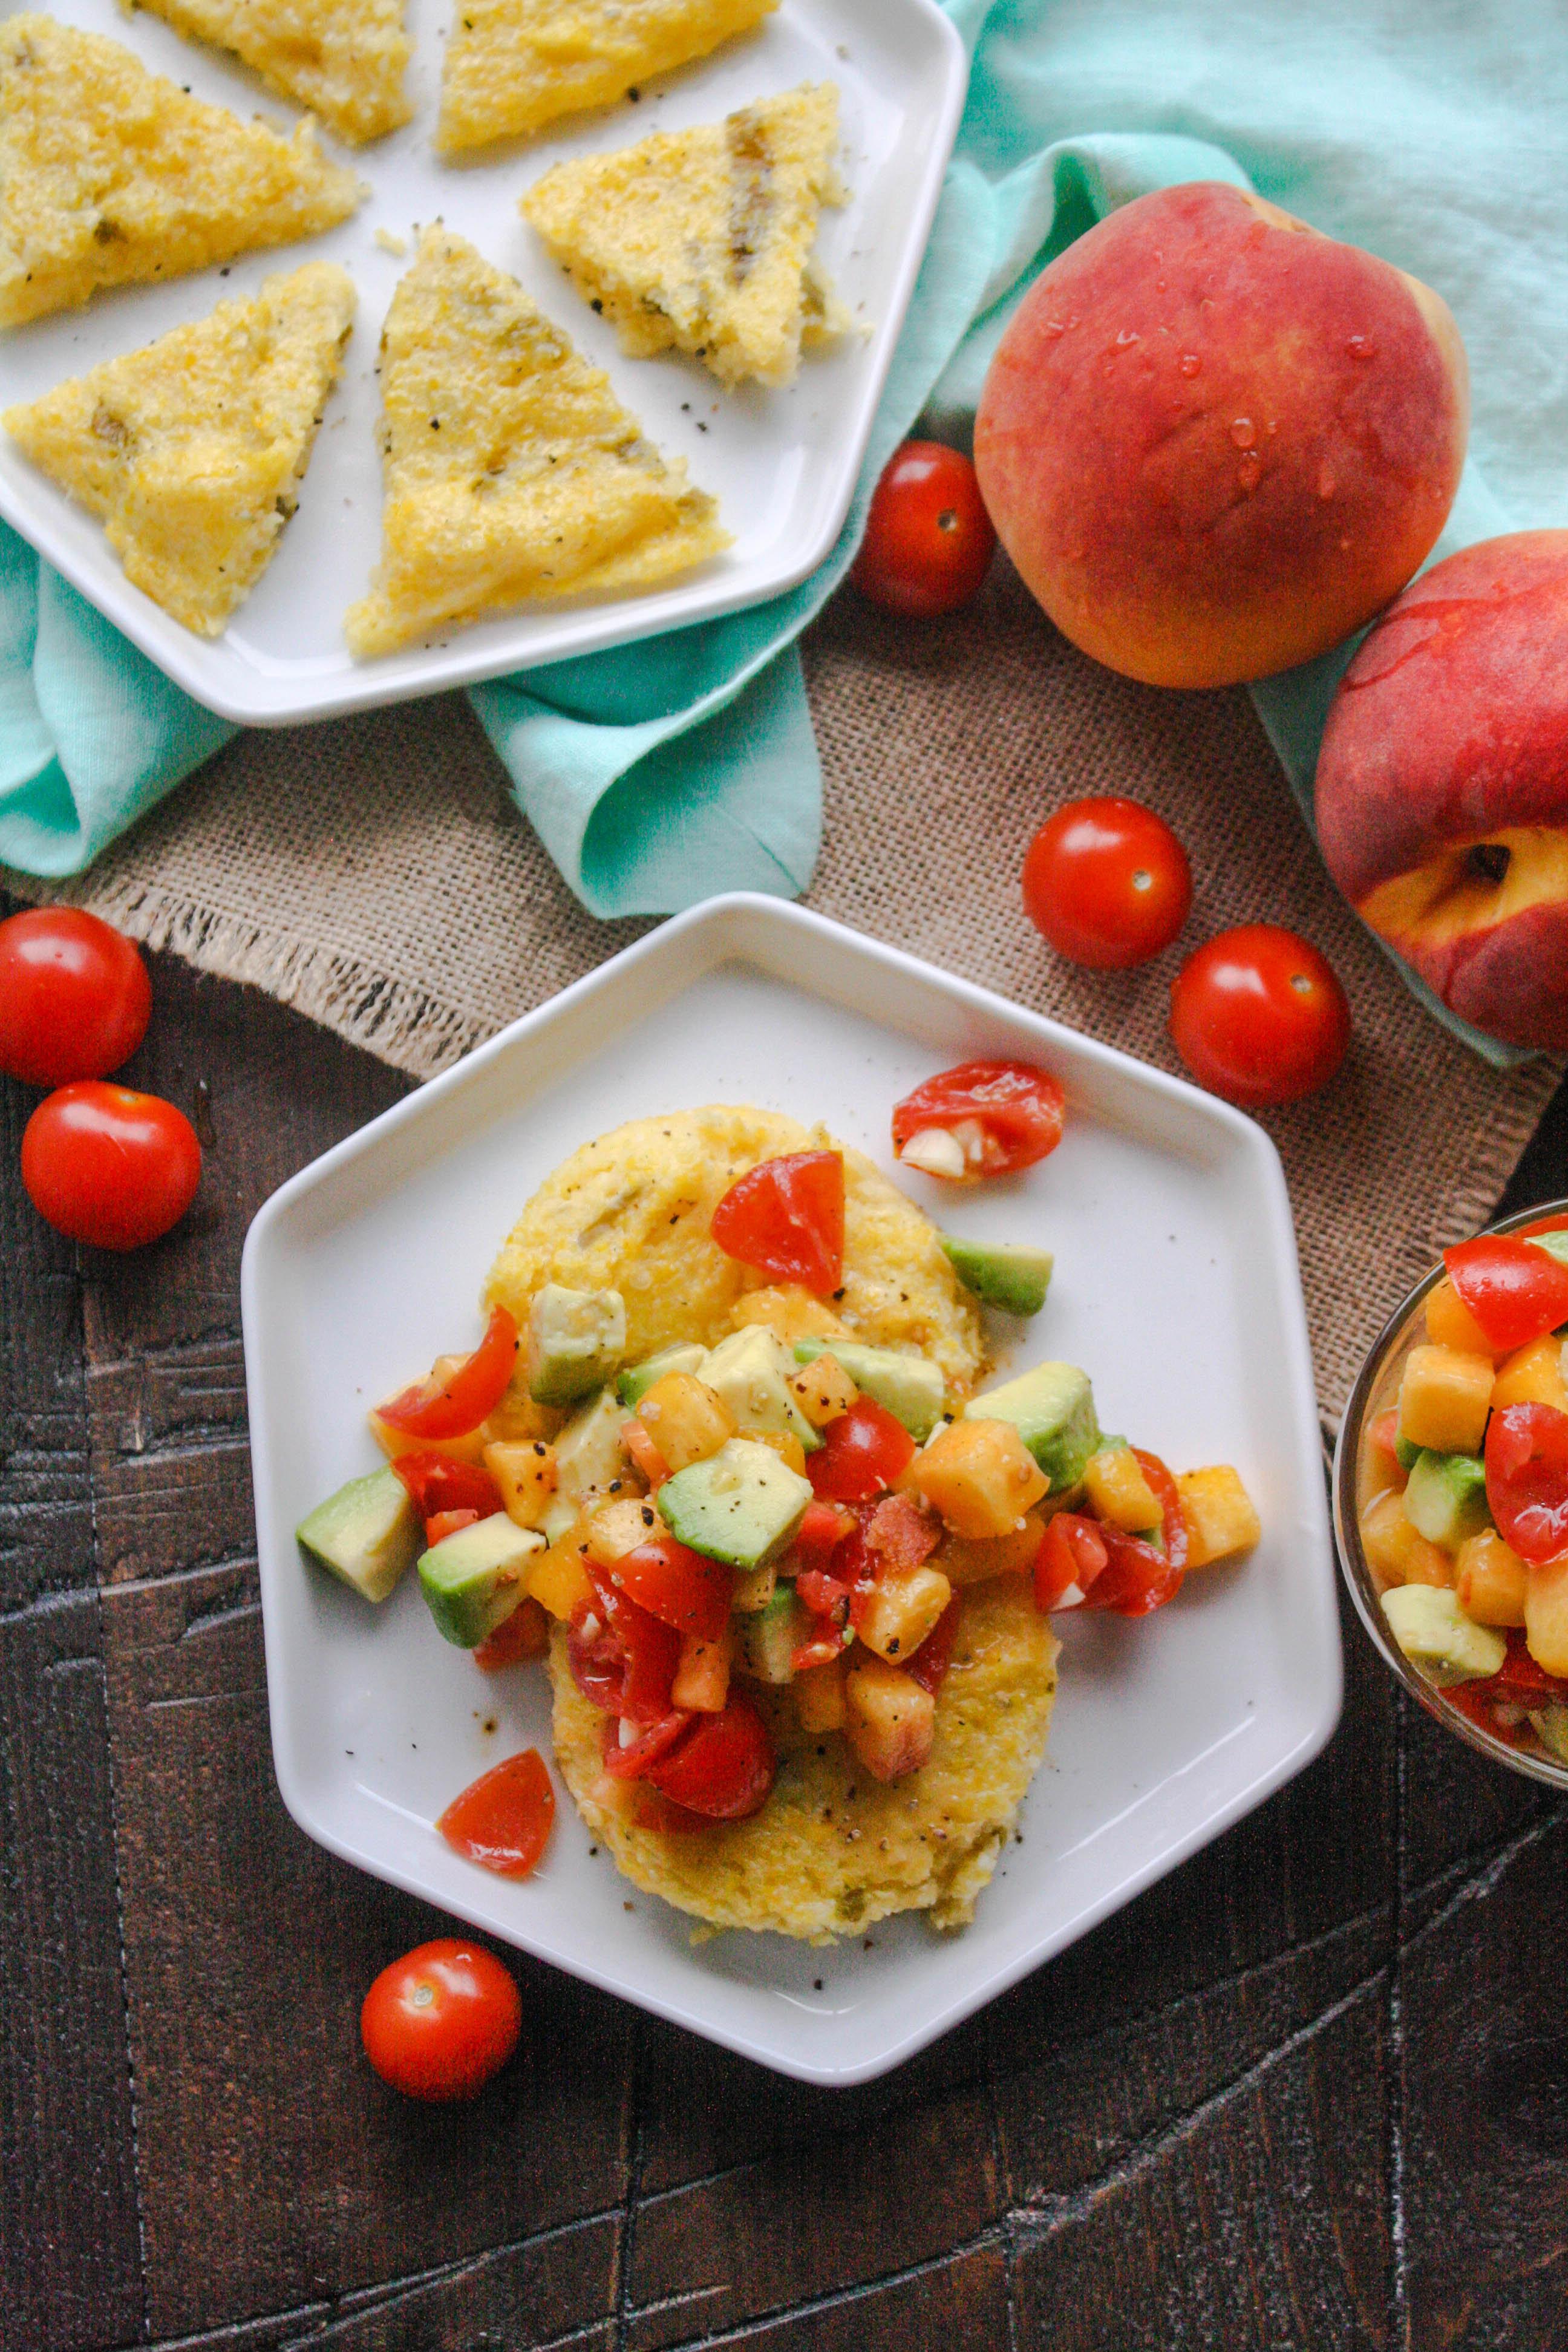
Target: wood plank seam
[992, 2238]
[637, 2154]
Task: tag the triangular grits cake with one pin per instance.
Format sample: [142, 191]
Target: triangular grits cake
[110, 173]
[191, 451]
[702, 238]
[514, 65]
[342, 59]
[512, 471]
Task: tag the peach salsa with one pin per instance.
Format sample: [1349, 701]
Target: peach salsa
[1462, 1502]
[723, 1461]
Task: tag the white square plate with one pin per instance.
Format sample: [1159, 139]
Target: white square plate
[782, 464]
[1176, 1287]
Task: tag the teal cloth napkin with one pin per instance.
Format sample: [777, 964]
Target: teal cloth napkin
[659, 773]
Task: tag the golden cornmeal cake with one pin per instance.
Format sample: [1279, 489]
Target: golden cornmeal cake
[190, 451]
[833, 1850]
[702, 240]
[511, 470]
[108, 173]
[514, 65]
[344, 59]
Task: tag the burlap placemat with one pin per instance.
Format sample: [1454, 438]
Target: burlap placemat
[374, 873]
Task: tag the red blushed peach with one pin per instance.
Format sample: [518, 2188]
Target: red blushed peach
[1215, 442]
[1442, 784]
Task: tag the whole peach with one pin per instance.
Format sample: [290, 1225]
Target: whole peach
[1215, 441]
[1442, 784]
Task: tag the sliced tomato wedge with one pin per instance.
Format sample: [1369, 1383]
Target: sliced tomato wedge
[442, 1524]
[820, 1532]
[630, 1761]
[1137, 1577]
[785, 1216]
[1515, 1291]
[1526, 1478]
[522, 1635]
[1173, 1528]
[679, 1587]
[502, 1821]
[861, 1454]
[1072, 1553]
[995, 1116]
[627, 1663]
[1521, 1679]
[722, 1768]
[452, 1408]
[437, 1483]
[929, 1663]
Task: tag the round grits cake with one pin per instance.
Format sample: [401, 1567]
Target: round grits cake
[833, 1850]
[630, 1212]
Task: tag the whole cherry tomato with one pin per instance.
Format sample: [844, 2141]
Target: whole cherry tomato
[440, 2021]
[786, 1217]
[1107, 882]
[929, 540]
[74, 997]
[1257, 1016]
[108, 1166]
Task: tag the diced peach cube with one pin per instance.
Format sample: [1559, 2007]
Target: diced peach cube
[686, 1420]
[702, 1674]
[1533, 1375]
[1118, 1490]
[1450, 1324]
[1219, 1514]
[971, 1559]
[889, 1720]
[1488, 1577]
[1445, 1398]
[557, 1577]
[524, 1470]
[1546, 1614]
[823, 1390]
[901, 1610]
[979, 1476]
[618, 1527]
[1398, 1553]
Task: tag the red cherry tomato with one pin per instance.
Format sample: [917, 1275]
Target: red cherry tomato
[442, 1524]
[439, 1484]
[929, 540]
[1072, 1551]
[440, 2021]
[108, 1166]
[629, 1665]
[1137, 1576]
[1520, 1680]
[1257, 1016]
[1527, 1479]
[787, 1217]
[453, 1407]
[502, 1821]
[1107, 882]
[1174, 1527]
[522, 1635]
[74, 997]
[724, 1767]
[995, 1116]
[629, 1762]
[862, 1452]
[1515, 1291]
[679, 1587]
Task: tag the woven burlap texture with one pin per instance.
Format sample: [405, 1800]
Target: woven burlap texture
[374, 873]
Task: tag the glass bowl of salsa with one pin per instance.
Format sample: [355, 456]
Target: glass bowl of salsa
[1450, 1493]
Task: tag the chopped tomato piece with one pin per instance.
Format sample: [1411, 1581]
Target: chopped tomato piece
[452, 1408]
[787, 1216]
[627, 1663]
[1072, 1554]
[862, 1452]
[438, 1484]
[929, 1663]
[1520, 1679]
[524, 1635]
[901, 1533]
[679, 1587]
[1173, 1528]
[821, 1594]
[1527, 1479]
[1515, 1291]
[630, 1760]
[644, 1452]
[1137, 1577]
[1476, 1700]
[823, 1528]
[724, 1767]
[442, 1524]
[503, 1819]
[983, 1119]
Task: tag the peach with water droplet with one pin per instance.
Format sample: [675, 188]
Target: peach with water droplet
[1117, 491]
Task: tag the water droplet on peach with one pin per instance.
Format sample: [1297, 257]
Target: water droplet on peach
[1243, 432]
[1189, 364]
[1361, 347]
[1128, 336]
[1250, 472]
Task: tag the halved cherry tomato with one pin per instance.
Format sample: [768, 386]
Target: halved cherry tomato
[630, 1761]
[862, 1452]
[1137, 1577]
[1107, 882]
[929, 540]
[724, 1767]
[74, 997]
[986, 1118]
[440, 2021]
[522, 1635]
[596, 1656]
[1257, 1016]
[442, 1524]
[1526, 1478]
[787, 1217]
[929, 1663]
[1515, 1291]
[109, 1166]
[503, 1819]
[1072, 1552]
[437, 1483]
[650, 1649]
[453, 1407]
[1173, 1519]
[679, 1587]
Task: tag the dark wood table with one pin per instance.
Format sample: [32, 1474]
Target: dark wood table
[1312, 2091]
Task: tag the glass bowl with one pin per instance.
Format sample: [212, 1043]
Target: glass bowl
[1376, 1387]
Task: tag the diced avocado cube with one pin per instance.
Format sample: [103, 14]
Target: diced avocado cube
[1052, 1407]
[769, 1638]
[589, 1452]
[1555, 1244]
[908, 1386]
[367, 1533]
[638, 1379]
[1446, 1499]
[749, 1371]
[558, 1516]
[1013, 1276]
[574, 1342]
[1407, 1454]
[1549, 1724]
[475, 1579]
[1435, 1635]
[743, 1505]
